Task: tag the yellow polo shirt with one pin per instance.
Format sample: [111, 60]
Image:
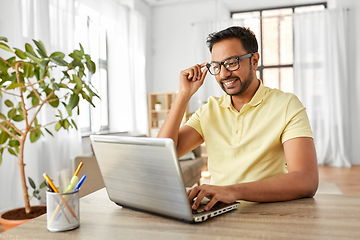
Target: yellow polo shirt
[246, 146]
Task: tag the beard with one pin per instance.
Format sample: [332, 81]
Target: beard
[244, 85]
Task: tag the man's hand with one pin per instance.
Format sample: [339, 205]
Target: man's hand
[192, 78]
[225, 194]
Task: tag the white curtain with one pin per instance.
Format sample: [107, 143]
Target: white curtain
[138, 97]
[322, 82]
[27, 20]
[126, 30]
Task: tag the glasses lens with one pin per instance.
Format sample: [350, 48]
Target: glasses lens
[214, 68]
[232, 64]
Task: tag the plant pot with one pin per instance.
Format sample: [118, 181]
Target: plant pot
[15, 217]
[157, 107]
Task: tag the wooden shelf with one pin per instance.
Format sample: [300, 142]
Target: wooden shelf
[157, 117]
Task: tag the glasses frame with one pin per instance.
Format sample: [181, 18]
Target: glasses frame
[238, 58]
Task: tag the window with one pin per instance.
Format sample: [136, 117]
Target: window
[274, 31]
[93, 38]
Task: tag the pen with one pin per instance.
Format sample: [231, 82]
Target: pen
[77, 187]
[48, 186]
[74, 179]
[61, 198]
[50, 183]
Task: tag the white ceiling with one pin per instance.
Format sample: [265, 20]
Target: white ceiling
[230, 4]
[168, 2]
[165, 2]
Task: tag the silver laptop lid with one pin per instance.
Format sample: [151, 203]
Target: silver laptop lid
[143, 173]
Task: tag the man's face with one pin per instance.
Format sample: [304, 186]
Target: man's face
[236, 82]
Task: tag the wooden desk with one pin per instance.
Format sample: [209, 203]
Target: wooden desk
[327, 216]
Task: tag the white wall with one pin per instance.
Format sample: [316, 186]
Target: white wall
[173, 47]
[173, 39]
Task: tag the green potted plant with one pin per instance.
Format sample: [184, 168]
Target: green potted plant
[157, 106]
[27, 85]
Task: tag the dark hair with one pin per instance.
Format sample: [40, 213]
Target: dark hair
[245, 35]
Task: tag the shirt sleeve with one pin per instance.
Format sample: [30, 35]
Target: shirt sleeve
[296, 121]
[195, 122]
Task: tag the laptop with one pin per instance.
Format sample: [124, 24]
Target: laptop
[143, 173]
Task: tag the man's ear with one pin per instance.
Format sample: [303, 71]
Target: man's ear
[255, 60]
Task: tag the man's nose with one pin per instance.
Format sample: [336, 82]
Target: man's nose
[224, 73]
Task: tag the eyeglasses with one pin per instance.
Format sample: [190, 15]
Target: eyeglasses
[230, 64]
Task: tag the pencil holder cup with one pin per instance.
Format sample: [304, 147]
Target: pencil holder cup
[62, 211]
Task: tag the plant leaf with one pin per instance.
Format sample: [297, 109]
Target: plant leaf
[28, 70]
[58, 126]
[11, 78]
[90, 64]
[56, 86]
[54, 104]
[49, 132]
[78, 81]
[44, 64]
[57, 54]
[60, 113]
[42, 185]
[35, 101]
[32, 184]
[76, 54]
[74, 100]
[62, 85]
[81, 49]
[14, 85]
[9, 103]
[4, 137]
[35, 135]
[41, 48]
[17, 149]
[29, 49]
[36, 194]
[42, 73]
[14, 143]
[59, 61]
[12, 152]
[4, 39]
[5, 47]
[73, 122]
[12, 60]
[66, 124]
[20, 53]
[18, 118]
[12, 113]
[33, 57]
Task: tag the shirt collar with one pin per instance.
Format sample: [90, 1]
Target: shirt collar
[225, 100]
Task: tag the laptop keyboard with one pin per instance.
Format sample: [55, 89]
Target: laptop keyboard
[202, 206]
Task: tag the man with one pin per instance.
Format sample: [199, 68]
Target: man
[259, 142]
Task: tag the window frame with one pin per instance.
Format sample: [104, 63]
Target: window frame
[101, 64]
[261, 66]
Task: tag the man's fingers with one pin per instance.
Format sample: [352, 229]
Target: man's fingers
[192, 193]
[197, 201]
[211, 204]
[195, 73]
[203, 64]
[195, 193]
[204, 74]
[190, 73]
